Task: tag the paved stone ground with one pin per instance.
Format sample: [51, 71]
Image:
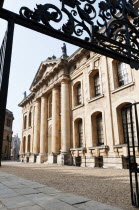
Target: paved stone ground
[107, 186]
[21, 194]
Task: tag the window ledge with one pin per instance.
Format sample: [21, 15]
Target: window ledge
[122, 87]
[123, 145]
[78, 149]
[98, 147]
[120, 145]
[95, 98]
[76, 107]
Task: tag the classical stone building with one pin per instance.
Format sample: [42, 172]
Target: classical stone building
[7, 137]
[75, 111]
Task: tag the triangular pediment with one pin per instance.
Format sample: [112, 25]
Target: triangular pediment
[44, 68]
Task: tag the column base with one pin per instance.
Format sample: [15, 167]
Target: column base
[65, 159]
[41, 158]
[32, 158]
[52, 158]
[21, 158]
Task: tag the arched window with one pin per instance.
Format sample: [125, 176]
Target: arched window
[28, 148]
[122, 72]
[25, 122]
[97, 129]
[80, 133]
[79, 95]
[99, 126]
[29, 120]
[50, 106]
[126, 124]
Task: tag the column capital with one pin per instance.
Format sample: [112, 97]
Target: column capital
[37, 101]
[55, 87]
[65, 81]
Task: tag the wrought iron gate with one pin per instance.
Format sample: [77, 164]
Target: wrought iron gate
[5, 60]
[132, 136]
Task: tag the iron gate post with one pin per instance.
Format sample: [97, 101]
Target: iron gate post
[5, 80]
[1, 3]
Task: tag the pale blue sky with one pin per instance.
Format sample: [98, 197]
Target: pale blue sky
[29, 49]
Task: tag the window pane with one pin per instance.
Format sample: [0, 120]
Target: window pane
[79, 96]
[99, 123]
[97, 84]
[122, 74]
[127, 125]
[80, 133]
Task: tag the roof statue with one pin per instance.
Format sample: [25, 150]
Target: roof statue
[25, 94]
[64, 50]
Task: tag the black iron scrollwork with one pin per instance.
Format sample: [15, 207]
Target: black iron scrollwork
[116, 20]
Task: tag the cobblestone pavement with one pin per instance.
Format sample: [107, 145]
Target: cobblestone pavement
[107, 186]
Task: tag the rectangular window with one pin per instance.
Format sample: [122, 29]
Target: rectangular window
[97, 84]
[79, 95]
[122, 74]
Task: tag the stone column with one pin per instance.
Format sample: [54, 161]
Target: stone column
[65, 157]
[55, 121]
[36, 143]
[65, 117]
[43, 131]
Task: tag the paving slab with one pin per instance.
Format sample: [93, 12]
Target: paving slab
[74, 199]
[6, 191]
[9, 195]
[93, 205]
[16, 202]
[25, 191]
[35, 207]
[59, 206]
[22, 194]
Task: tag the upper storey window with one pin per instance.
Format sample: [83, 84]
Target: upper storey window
[25, 122]
[94, 80]
[29, 122]
[79, 95]
[96, 84]
[122, 71]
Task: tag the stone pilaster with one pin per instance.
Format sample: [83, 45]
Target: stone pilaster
[36, 143]
[55, 121]
[43, 131]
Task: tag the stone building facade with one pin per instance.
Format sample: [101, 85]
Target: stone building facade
[7, 137]
[75, 111]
